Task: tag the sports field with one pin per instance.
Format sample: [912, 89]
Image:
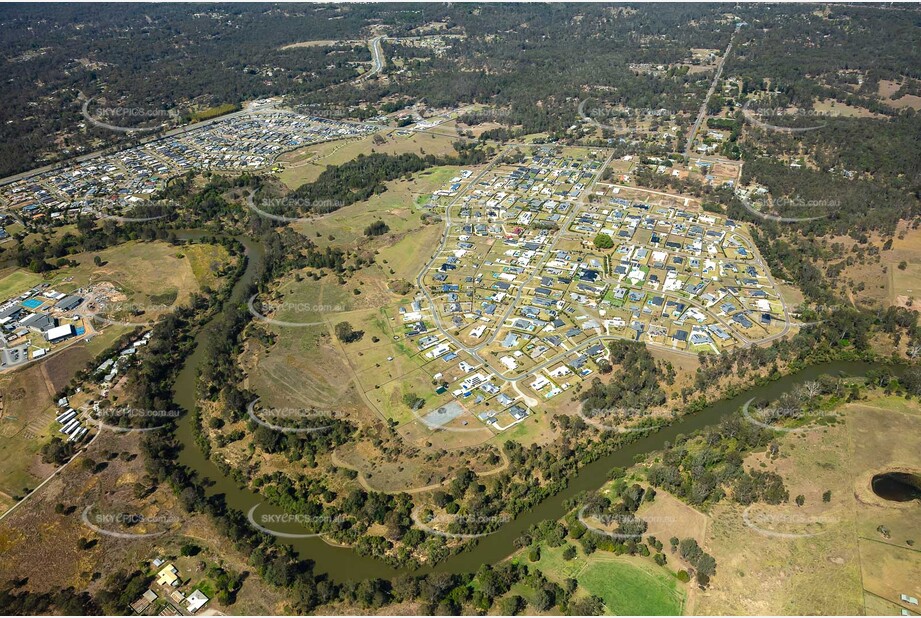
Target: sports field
[628, 585]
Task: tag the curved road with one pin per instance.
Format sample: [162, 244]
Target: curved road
[377, 58]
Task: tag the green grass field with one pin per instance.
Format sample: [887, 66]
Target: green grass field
[527, 431]
[629, 589]
[18, 282]
[104, 339]
[629, 585]
[206, 261]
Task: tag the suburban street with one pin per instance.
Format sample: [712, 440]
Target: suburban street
[703, 108]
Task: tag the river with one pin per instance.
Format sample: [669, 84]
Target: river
[342, 564]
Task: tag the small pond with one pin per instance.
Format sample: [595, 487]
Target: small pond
[897, 486]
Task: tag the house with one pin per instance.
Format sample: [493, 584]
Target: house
[488, 388]
[699, 337]
[741, 319]
[718, 331]
[539, 383]
[168, 575]
[144, 602]
[196, 601]
[517, 412]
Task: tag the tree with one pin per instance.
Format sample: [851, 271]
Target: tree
[405, 587]
[603, 241]
[911, 379]
[510, 606]
[346, 334]
[592, 606]
[812, 389]
[543, 600]
[706, 565]
[412, 400]
[57, 451]
[190, 549]
[378, 228]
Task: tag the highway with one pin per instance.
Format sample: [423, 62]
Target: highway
[377, 58]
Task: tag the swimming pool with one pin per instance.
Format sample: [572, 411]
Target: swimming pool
[33, 303]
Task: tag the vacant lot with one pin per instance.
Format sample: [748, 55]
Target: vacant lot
[144, 271]
[149, 273]
[412, 472]
[28, 412]
[306, 165]
[207, 262]
[888, 88]
[831, 107]
[17, 282]
[323, 43]
[904, 285]
[883, 282]
[398, 207]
